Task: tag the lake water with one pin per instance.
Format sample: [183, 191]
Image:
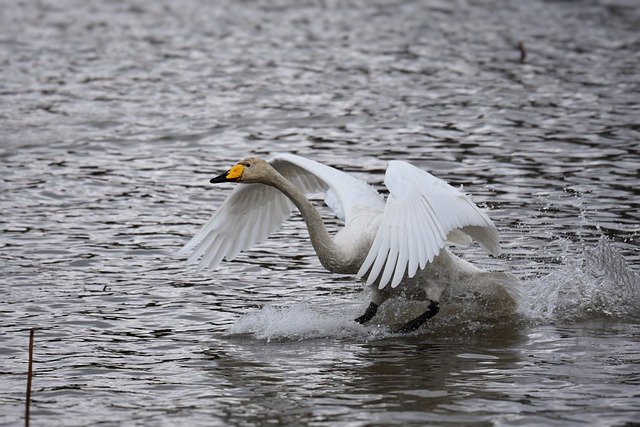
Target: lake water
[114, 115]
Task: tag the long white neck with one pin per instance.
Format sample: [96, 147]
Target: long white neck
[328, 252]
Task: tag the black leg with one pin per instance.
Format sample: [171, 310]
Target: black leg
[369, 313]
[418, 321]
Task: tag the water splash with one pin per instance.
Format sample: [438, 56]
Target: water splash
[466, 312]
[297, 322]
[596, 283]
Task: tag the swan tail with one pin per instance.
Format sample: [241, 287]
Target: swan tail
[509, 286]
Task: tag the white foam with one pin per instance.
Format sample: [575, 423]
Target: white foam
[298, 322]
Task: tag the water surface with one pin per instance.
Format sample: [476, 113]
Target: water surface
[114, 116]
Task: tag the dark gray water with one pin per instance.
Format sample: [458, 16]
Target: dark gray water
[114, 115]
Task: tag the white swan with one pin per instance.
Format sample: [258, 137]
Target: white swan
[397, 246]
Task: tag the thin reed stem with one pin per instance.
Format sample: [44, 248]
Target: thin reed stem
[29, 375]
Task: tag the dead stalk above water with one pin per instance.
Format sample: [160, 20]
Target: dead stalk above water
[29, 375]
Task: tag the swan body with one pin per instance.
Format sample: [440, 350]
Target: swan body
[397, 246]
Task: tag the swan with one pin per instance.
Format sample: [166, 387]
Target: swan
[397, 247]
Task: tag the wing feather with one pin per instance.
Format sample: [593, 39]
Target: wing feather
[213, 250]
[391, 258]
[416, 249]
[200, 248]
[403, 255]
[421, 211]
[430, 233]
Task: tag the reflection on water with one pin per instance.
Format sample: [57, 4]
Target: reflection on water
[400, 379]
[114, 116]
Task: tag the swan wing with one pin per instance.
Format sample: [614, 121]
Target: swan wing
[421, 213]
[253, 211]
[247, 217]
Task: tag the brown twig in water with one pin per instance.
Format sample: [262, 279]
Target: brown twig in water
[29, 374]
[523, 52]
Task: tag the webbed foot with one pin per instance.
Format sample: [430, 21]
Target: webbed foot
[418, 321]
[368, 314]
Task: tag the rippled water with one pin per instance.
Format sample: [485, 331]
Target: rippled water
[114, 115]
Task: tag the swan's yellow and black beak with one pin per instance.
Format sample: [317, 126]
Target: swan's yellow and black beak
[232, 175]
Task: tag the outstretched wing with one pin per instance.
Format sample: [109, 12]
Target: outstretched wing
[247, 217]
[420, 213]
[253, 211]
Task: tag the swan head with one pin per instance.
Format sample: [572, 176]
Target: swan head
[249, 170]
